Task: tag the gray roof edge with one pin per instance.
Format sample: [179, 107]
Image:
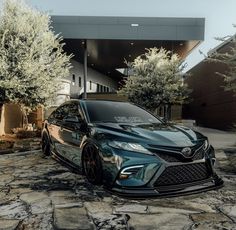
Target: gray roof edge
[88, 16]
[200, 21]
[141, 28]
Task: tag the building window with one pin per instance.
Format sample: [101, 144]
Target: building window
[73, 79]
[79, 81]
[98, 88]
[90, 85]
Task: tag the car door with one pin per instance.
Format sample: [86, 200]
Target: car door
[54, 127]
[71, 135]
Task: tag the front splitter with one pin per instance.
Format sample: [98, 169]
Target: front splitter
[216, 183]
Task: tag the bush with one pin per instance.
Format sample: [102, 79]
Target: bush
[23, 133]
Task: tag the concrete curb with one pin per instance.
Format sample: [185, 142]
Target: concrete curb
[23, 152]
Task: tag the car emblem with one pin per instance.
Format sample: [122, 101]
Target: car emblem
[186, 151]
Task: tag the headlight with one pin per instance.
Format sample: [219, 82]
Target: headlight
[206, 144]
[134, 147]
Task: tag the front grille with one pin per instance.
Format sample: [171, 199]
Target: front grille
[198, 154]
[181, 174]
[174, 157]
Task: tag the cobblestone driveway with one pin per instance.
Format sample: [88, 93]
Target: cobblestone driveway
[38, 193]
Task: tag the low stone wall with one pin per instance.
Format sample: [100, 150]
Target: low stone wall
[11, 117]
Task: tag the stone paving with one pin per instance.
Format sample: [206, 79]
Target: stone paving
[36, 192]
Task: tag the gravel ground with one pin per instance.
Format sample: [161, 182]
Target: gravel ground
[36, 192]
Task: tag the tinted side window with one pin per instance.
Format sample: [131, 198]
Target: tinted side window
[64, 111]
[59, 113]
[72, 110]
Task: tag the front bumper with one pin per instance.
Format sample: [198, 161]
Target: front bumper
[184, 189]
[164, 176]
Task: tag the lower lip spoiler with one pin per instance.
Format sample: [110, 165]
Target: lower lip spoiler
[216, 183]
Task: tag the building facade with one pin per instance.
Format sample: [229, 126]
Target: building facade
[96, 81]
[211, 106]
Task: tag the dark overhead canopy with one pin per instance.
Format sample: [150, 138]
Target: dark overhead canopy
[111, 40]
[108, 55]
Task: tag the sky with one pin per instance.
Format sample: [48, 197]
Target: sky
[220, 15]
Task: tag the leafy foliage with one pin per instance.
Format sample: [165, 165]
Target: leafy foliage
[156, 80]
[228, 59]
[32, 60]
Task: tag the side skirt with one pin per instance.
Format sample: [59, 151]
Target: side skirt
[62, 160]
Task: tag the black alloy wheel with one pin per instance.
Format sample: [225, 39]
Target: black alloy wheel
[46, 145]
[92, 164]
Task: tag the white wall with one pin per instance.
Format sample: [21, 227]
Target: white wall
[93, 76]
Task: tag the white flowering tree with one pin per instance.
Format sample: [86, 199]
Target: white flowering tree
[32, 60]
[156, 80]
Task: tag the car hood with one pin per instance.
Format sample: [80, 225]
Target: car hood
[154, 134]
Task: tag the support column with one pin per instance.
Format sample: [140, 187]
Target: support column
[85, 69]
[2, 119]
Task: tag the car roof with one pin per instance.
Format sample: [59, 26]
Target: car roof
[93, 100]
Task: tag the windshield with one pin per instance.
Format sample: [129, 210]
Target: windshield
[118, 112]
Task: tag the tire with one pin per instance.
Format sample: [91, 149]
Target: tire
[92, 165]
[46, 145]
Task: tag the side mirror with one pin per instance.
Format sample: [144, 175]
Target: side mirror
[163, 119]
[77, 123]
[83, 127]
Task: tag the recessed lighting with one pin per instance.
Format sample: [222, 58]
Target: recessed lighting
[88, 55]
[131, 43]
[83, 42]
[92, 64]
[134, 24]
[129, 55]
[181, 44]
[108, 72]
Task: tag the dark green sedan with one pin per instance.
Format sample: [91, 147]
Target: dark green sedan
[129, 150]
